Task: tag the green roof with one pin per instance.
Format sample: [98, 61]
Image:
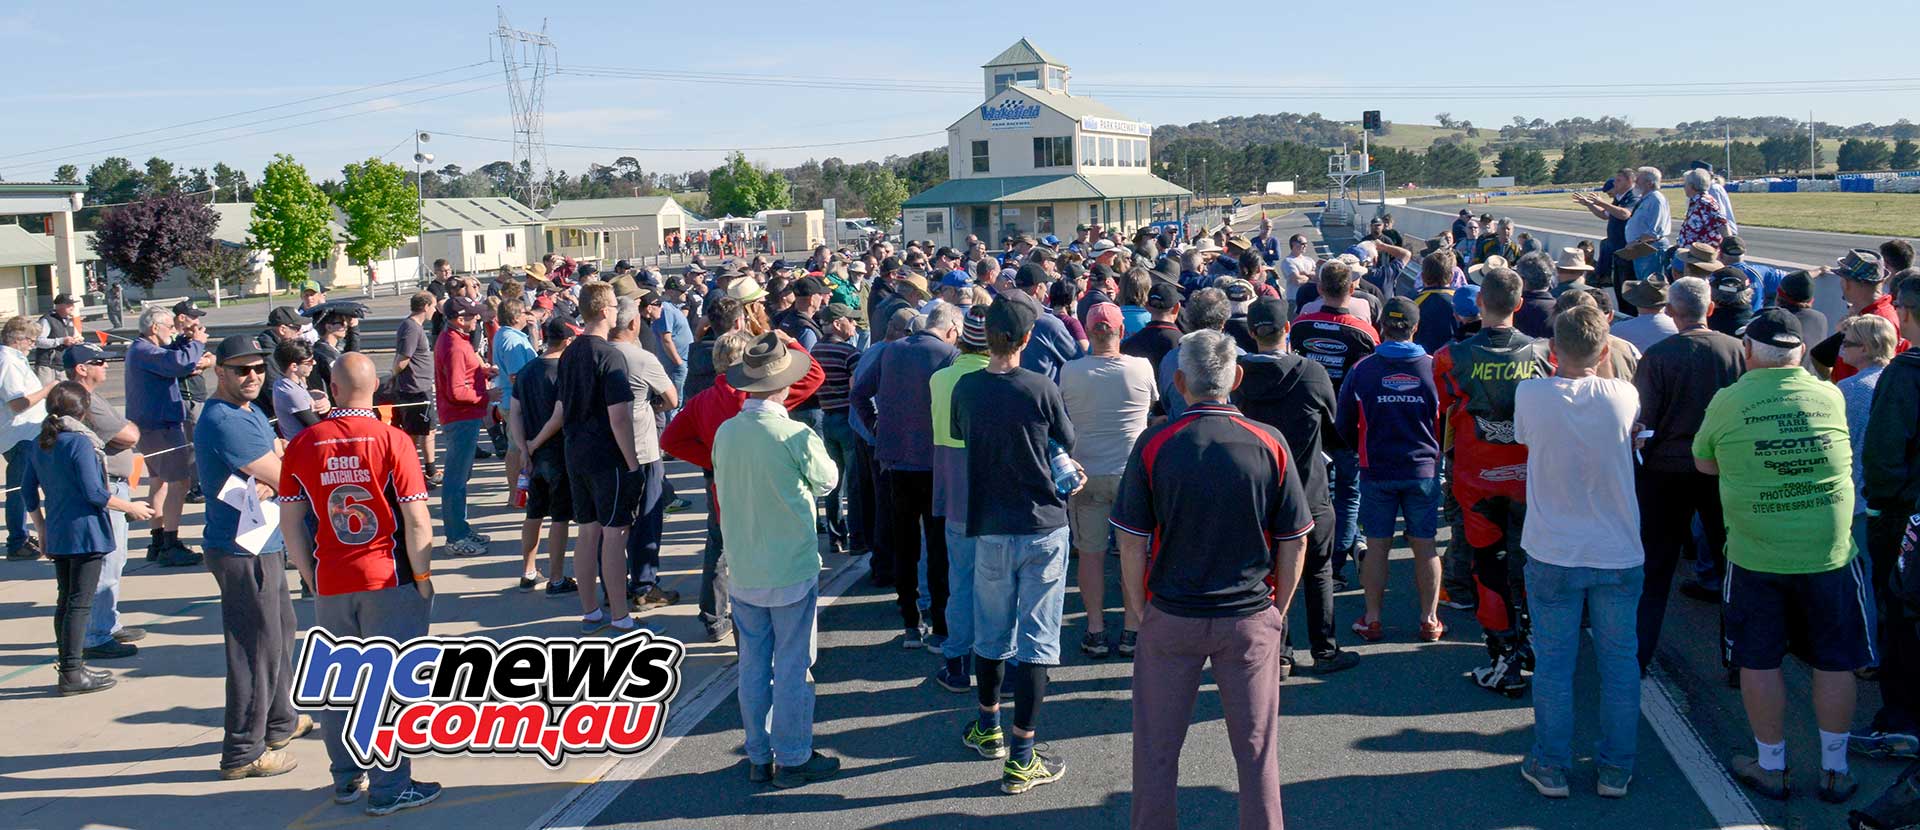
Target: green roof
[42, 188]
[1023, 52]
[19, 247]
[610, 208]
[1067, 188]
[478, 214]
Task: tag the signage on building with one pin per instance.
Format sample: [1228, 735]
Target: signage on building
[1011, 114]
[1096, 124]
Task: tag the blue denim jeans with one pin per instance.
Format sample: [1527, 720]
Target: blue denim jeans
[1650, 265]
[16, 457]
[846, 525]
[1019, 592]
[461, 439]
[960, 555]
[1345, 477]
[106, 598]
[776, 701]
[1611, 598]
[643, 536]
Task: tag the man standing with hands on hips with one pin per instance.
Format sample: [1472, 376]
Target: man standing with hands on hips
[369, 561]
[256, 612]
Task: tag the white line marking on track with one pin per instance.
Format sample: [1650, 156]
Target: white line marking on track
[1717, 790]
[581, 805]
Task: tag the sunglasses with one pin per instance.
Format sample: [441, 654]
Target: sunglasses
[249, 369]
[96, 363]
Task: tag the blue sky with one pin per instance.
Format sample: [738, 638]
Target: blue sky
[87, 71]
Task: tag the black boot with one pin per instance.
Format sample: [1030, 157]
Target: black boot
[82, 682]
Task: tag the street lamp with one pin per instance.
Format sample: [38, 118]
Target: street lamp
[420, 159]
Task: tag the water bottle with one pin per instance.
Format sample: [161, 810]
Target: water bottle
[520, 490]
[1066, 478]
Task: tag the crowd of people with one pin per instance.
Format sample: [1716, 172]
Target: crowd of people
[1233, 419]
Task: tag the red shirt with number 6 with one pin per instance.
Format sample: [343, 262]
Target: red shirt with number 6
[355, 471]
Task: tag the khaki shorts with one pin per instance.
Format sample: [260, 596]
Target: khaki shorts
[1090, 509]
[168, 453]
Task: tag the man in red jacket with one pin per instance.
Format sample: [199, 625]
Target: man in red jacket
[460, 399]
[689, 437]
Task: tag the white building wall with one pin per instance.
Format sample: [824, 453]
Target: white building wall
[1009, 141]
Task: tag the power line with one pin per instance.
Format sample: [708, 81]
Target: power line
[202, 121]
[95, 153]
[701, 149]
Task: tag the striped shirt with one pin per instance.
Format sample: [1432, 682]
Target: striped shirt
[837, 358]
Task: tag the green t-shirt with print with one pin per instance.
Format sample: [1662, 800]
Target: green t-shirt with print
[1786, 485]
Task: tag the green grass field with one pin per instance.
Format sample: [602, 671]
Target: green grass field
[1878, 214]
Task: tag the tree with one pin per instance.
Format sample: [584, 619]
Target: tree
[230, 183]
[1444, 119]
[113, 181]
[1450, 165]
[1527, 167]
[380, 208]
[67, 173]
[1906, 156]
[738, 188]
[881, 191]
[290, 220]
[146, 239]
[161, 177]
[219, 266]
[1861, 154]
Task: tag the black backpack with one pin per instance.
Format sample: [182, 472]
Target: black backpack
[1904, 583]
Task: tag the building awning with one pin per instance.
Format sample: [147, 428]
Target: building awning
[1067, 188]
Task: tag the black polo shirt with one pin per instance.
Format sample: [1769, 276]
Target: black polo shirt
[1213, 490]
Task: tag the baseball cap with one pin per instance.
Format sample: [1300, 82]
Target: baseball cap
[622, 265]
[1012, 317]
[560, 328]
[1105, 314]
[1732, 246]
[1237, 290]
[282, 316]
[83, 353]
[1464, 298]
[1730, 286]
[1860, 265]
[856, 267]
[1102, 247]
[957, 279]
[1400, 314]
[836, 311]
[1163, 295]
[188, 308]
[809, 286]
[1267, 316]
[1031, 274]
[63, 299]
[1775, 327]
[237, 346]
[890, 265]
[1050, 241]
[1798, 287]
[779, 265]
[461, 307]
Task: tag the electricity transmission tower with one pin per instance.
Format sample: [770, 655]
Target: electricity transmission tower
[529, 57]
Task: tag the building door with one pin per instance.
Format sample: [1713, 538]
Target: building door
[982, 227]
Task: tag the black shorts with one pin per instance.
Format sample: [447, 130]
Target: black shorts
[1826, 619]
[606, 497]
[549, 493]
[417, 419]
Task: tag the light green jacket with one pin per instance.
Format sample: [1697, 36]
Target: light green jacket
[767, 470]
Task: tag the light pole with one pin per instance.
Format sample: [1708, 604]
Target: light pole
[420, 213]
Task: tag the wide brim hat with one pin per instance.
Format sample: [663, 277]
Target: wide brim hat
[1207, 246]
[1495, 261]
[746, 290]
[538, 269]
[1572, 260]
[1645, 293]
[1702, 256]
[768, 365]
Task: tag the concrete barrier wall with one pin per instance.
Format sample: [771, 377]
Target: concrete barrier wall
[1417, 222]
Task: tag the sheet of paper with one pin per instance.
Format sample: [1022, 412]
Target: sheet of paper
[258, 520]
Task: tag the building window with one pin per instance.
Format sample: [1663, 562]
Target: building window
[479, 244]
[936, 221]
[1140, 152]
[1002, 80]
[510, 241]
[1087, 152]
[1093, 213]
[980, 220]
[1043, 219]
[1106, 152]
[1126, 153]
[1056, 78]
[979, 157]
[1029, 78]
[549, 240]
[1053, 151]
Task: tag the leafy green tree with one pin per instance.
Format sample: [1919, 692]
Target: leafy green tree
[230, 184]
[740, 189]
[380, 207]
[67, 173]
[1861, 154]
[290, 216]
[881, 191]
[161, 177]
[1906, 155]
[219, 267]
